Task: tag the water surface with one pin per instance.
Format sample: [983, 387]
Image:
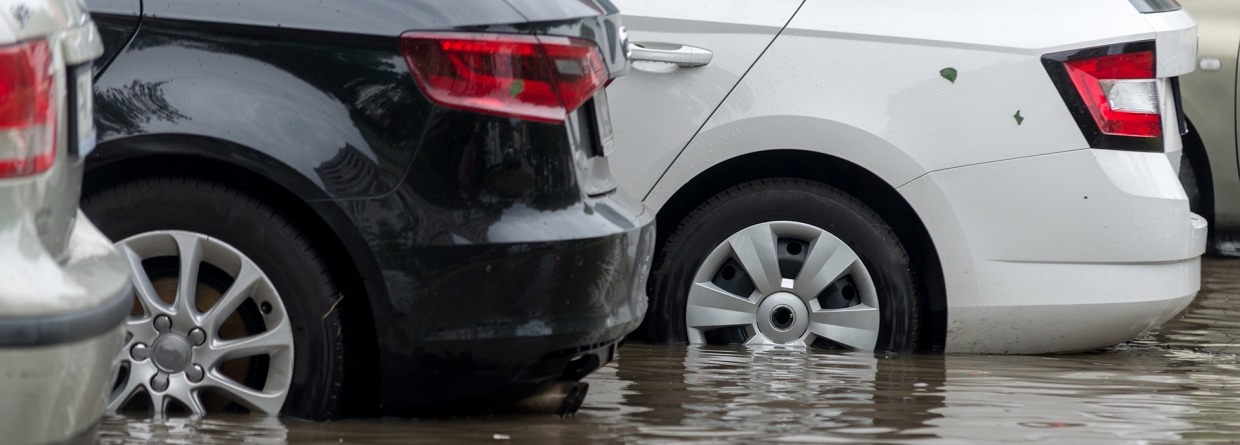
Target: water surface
[1179, 383]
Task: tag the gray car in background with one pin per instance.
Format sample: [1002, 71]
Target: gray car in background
[64, 291]
[1209, 170]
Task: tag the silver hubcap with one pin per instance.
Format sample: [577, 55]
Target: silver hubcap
[175, 352]
[831, 296]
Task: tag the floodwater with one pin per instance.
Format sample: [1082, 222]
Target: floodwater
[1181, 383]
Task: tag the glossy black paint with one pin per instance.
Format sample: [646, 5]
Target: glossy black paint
[297, 103]
[486, 266]
[117, 21]
[388, 18]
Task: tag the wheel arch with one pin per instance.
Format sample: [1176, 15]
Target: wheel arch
[836, 172]
[352, 264]
[1199, 158]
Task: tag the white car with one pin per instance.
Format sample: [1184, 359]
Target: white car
[967, 176]
[64, 290]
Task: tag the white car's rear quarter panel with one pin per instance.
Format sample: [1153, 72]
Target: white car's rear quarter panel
[873, 67]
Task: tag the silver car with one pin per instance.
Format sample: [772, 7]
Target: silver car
[64, 291]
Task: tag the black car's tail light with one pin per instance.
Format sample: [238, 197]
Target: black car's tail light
[1112, 93]
[27, 109]
[540, 78]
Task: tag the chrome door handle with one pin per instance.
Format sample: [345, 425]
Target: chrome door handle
[681, 55]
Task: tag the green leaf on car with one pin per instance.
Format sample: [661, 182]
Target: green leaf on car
[1018, 118]
[516, 88]
[948, 73]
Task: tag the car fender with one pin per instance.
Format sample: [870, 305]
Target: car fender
[165, 85]
[716, 145]
[108, 162]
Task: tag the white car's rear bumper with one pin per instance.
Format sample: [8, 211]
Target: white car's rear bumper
[1061, 252]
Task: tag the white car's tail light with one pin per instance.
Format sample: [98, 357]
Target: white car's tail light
[1112, 92]
[1120, 93]
[540, 78]
[27, 109]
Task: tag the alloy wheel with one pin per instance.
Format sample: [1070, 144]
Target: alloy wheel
[208, 329]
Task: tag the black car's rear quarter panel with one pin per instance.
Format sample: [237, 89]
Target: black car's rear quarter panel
[304, 103]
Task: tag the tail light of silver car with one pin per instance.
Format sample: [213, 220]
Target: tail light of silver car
[1112, 93]
[27, 109]
[539, 78]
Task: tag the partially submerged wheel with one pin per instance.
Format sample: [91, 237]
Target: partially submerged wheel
[209, 327]
[235, 310]
[786, 262]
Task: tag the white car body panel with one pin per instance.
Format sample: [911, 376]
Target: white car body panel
[1033, 228]
[662, 106]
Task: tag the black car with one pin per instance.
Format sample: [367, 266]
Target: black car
[341, 207]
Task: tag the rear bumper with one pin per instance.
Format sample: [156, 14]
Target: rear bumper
[57, 393]
[60, 330]
[1063, 252]
[482, 326]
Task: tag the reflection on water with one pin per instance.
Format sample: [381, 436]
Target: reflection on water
[1179, 383]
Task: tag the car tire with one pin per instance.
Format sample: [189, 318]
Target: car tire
[815, 241]
[292, 284]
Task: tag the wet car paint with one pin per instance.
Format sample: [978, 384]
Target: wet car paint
[476, 239]
[1176, 385]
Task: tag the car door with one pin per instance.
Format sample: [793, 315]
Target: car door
[686, 57]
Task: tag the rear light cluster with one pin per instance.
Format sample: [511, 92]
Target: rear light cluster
[1120, 92]
[539, 78]
[27, 109]
[1112, 92]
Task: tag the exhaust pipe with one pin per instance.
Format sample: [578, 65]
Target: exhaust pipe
[559, 398]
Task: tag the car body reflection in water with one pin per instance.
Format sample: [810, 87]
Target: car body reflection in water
[1181, 383]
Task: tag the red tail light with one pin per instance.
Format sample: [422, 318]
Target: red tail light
[27, 109]
[1112, 93]
[540, 78]
[1120, 92]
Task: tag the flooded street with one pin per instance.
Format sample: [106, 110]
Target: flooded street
[1179, 383]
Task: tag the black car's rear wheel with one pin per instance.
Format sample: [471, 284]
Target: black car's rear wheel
[785, 261]
[234, 310]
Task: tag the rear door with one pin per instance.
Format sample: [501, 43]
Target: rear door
[659, 106]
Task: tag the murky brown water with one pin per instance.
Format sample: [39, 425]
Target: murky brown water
[1181, 383]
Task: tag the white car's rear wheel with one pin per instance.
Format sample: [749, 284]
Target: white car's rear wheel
[785, 261]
